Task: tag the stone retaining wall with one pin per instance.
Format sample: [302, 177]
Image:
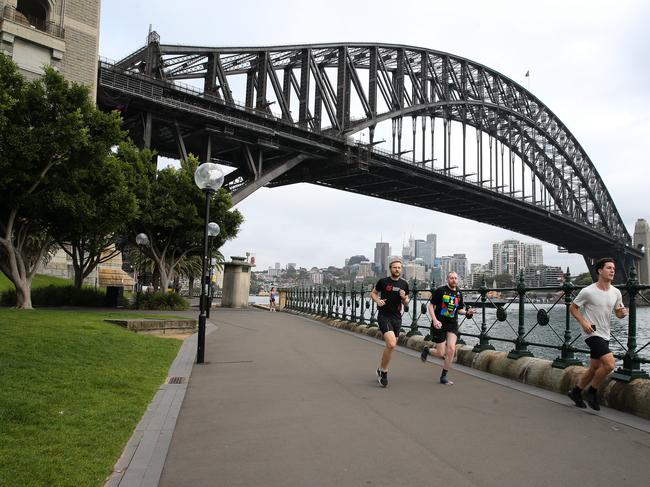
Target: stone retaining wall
[632, 397]
[157, 327]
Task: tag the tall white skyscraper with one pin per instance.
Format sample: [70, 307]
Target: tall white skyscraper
[534, 255]
[509, 257]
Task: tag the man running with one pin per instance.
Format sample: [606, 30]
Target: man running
[592, 308]
[445, 305]
[391, 294]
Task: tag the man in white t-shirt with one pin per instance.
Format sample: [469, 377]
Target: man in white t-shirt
[592, 308]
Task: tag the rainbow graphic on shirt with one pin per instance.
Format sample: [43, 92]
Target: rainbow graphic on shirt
[449, 305]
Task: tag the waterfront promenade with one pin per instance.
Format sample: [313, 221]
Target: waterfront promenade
[286, 401]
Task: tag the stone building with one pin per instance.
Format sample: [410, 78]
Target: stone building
[61, 33]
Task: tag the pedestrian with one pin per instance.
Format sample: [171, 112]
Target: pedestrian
[390, 294]
[273, 295]
[592, 308]
[444, 307]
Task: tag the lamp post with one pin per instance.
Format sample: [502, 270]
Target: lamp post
[141, 240]
[209, 178]
[213, 231]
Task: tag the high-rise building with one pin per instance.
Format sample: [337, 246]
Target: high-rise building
[382, 251]
[433, 240]
[543, 275]
[424, 251]
[414, 270]
[365, 269]
[508, 257]
[533, 255]
[291, 265]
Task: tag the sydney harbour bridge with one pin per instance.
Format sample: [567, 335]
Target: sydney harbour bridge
[400, 123]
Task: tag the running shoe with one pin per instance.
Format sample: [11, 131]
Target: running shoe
[445, 380]
[424, 354]
[576, 397]
[592, 400]
[382, 377]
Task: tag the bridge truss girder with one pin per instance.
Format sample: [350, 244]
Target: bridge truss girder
[385, 83]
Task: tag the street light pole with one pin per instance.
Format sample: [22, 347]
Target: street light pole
[209, 178]
[213, 231]
[141, 240]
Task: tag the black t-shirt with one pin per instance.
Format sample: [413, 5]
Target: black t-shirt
[447, 303]
[388, 289]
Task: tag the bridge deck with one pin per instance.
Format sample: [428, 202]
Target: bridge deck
[285, 401]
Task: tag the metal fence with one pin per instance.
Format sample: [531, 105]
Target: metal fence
[494, 322]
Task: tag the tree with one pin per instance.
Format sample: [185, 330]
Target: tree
[42, 123]
[93, 205]
[583, 279]
[504, 280]
[172, 215]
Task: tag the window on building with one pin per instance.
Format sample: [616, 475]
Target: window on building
[35, 12]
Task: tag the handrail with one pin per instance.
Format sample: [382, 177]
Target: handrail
[354, 305]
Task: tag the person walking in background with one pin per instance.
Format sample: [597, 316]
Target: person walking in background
[445, 306]
[390, 294]
[273, 296]
[592, 308]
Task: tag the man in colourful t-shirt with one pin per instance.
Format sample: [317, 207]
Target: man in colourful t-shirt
[445, 305]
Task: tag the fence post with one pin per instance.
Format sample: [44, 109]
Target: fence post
[631, 365]
[329, 301]
[362, 307]
[521, 349]
[483, 341]
[567, 358]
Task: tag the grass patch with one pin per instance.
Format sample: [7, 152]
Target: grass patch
[72, 389]
[39, 280]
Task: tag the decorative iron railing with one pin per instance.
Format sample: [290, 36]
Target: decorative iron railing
[543, 325]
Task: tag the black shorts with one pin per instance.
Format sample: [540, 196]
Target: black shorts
[389, 323]
[598, 346]
[440, 335]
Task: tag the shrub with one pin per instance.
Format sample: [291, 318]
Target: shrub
[60, 296]
[163, 301]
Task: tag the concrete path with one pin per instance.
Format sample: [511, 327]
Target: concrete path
[286, 401]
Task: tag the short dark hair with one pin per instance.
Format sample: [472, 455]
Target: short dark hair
[600, 263]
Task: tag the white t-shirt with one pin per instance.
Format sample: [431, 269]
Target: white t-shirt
[596, 306]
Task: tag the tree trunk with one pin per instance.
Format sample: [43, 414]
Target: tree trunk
[23, 294]
[191, 284]
[78, 278]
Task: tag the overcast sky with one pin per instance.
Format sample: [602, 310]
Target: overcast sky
[588, 62]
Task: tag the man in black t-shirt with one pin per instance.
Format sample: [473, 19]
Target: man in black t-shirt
[391, 294]
[445, 305]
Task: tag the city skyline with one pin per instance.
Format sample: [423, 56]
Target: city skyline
[304, 223]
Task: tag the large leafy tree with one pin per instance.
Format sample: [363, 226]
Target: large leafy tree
[42, 123]
[95, 203]
[173, 215]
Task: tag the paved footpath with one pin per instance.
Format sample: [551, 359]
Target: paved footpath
[286, 401]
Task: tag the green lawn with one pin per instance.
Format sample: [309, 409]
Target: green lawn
[39, 281]
[72, 389]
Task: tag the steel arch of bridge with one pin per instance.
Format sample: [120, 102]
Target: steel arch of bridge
[382, 83]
